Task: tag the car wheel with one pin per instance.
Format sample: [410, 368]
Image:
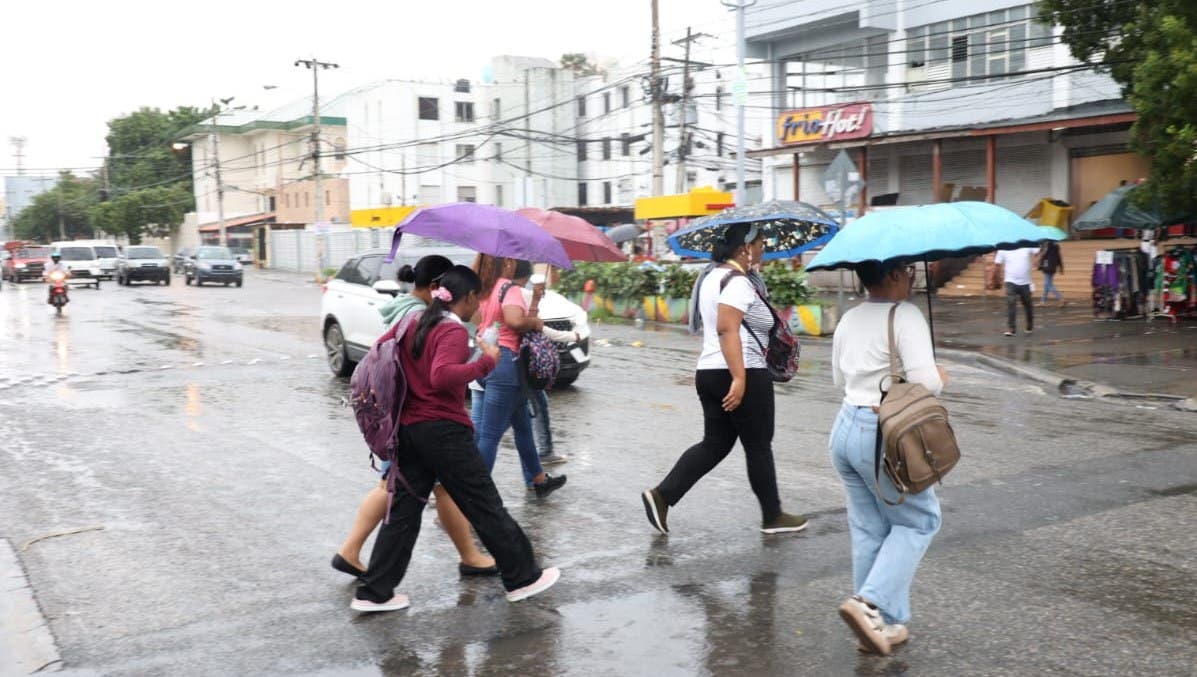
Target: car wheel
[238, 283]
[166, 280]
[334, 349]
[187, 280]
[199, 282]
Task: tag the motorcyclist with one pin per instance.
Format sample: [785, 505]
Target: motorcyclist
[55, 265]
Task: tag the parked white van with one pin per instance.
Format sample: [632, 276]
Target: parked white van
[80, 259]
[107, 255]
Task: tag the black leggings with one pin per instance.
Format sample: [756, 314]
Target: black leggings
[445, 451]
[751, 423]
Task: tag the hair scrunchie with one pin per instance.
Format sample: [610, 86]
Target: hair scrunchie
[442, 294]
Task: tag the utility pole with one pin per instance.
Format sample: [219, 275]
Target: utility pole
[684, 118]
[316, 66]
[222, 237]
[655, 91]
[18, 145]
[741, 94]
[61, 216]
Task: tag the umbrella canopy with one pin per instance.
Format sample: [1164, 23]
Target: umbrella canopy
[789, 227]
[929, 233]
[485, 229]
[621, 234]
[582, 241]
[1117, 210]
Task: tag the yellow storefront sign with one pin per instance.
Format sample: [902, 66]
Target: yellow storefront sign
[698, 202]
[379, 217]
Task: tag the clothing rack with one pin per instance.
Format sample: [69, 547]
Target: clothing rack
[1175, 288]
[1120, 289]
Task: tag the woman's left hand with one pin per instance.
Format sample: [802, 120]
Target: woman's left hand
[735, 395]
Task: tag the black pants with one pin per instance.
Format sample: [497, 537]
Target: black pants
[751, 423]
[445, 451]
[1015, 293]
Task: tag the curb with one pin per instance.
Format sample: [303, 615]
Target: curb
[26, 643]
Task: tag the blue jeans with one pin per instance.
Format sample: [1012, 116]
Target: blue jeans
[1049, 287]
[505, 406]
[888, 541]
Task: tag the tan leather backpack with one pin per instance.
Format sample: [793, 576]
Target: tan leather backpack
[912, 426]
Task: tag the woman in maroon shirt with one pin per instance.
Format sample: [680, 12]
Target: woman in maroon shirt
[436, 443]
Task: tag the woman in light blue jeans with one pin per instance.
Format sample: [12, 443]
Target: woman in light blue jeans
[888, 541]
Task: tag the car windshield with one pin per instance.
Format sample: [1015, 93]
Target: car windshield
[213, 253]
[77, 254]
[33, 253]
[105, 251]
[144, 253]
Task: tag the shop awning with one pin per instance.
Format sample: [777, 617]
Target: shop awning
[251, 220]
[380, 217]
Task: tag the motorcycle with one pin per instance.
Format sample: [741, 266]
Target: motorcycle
[58, 291]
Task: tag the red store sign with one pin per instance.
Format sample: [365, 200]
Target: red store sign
[826, 123]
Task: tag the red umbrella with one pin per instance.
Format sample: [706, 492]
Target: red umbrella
[582, 241]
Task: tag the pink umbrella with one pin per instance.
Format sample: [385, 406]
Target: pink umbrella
[582, 241]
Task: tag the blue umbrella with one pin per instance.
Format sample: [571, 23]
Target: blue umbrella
[790, 228]
[929, 233]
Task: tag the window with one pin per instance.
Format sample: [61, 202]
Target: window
[581, 106]
[306, 199]
[606, 102]
[462, 87]
[498, 152]
[499, 195]
[349, 272]
[980, 47]
[367, 269]
[465, 152]
[464, 111]
[581, 150]
[916, 46]
[427, 155]
[430, 108]
[429, 195]
[625, 144]
[339, 149]
[581, 193]
[607, 148]
[959, 57]
[607, 192]
[287, 200]
[327, 198]
[625, 95]
[496, 109]
[467, 194]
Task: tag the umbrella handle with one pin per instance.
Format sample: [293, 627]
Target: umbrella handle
[394, 246]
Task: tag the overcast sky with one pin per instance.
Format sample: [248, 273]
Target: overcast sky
[71, 66]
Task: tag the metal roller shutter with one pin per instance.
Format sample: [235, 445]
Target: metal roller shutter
[964, 168]
[914, 179]
[1023, 177]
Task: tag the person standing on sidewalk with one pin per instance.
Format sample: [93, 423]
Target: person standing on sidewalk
[424, 278]
[733, 385]
[1016, 272]
[437, 443]
[1051, 264]
[888, 541]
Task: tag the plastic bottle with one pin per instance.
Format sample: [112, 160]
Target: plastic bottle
[491, 335]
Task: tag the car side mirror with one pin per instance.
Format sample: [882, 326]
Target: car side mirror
[387, 287]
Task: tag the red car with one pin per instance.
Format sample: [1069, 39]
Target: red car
[25, 261]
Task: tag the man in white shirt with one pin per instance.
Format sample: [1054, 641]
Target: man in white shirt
[1016, 272]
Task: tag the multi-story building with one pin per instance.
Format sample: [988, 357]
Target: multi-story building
[935, 99]
[19, 192]
[265, 166]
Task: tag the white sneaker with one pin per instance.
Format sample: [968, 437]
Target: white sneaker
[547, 578]
[866, 622]
[896, 634]
[399, 601]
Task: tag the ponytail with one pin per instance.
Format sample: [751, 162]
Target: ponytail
[455, 284]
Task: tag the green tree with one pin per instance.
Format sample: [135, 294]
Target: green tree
[150, 182]
[1150, 48]
[579, 64]
[69, 201]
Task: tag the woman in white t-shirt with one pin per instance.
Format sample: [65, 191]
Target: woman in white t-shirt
[733, 386]
[888, 541]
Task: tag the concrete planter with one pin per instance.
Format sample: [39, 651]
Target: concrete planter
[811, 319]
[665, 309]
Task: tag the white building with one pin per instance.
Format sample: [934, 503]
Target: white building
[949, 96]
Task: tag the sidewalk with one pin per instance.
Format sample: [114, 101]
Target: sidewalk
[1131, 357]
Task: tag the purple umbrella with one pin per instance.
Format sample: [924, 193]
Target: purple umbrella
[485, 229]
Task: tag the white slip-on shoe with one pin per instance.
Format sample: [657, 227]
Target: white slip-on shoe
[547, 578]
[399, 601]
[895, 633]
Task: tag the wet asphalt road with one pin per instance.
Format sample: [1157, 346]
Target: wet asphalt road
[196, 441]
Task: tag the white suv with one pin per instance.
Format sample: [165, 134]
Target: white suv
[351, 321]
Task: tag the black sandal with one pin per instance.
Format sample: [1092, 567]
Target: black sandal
[341, 564]
[469, 570]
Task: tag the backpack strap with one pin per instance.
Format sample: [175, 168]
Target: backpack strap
[398, 332]
[893, 375]
[723, 285]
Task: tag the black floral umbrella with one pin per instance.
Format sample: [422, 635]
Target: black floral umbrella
[789, 227]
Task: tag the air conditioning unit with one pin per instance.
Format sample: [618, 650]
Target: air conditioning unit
[387, 198]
